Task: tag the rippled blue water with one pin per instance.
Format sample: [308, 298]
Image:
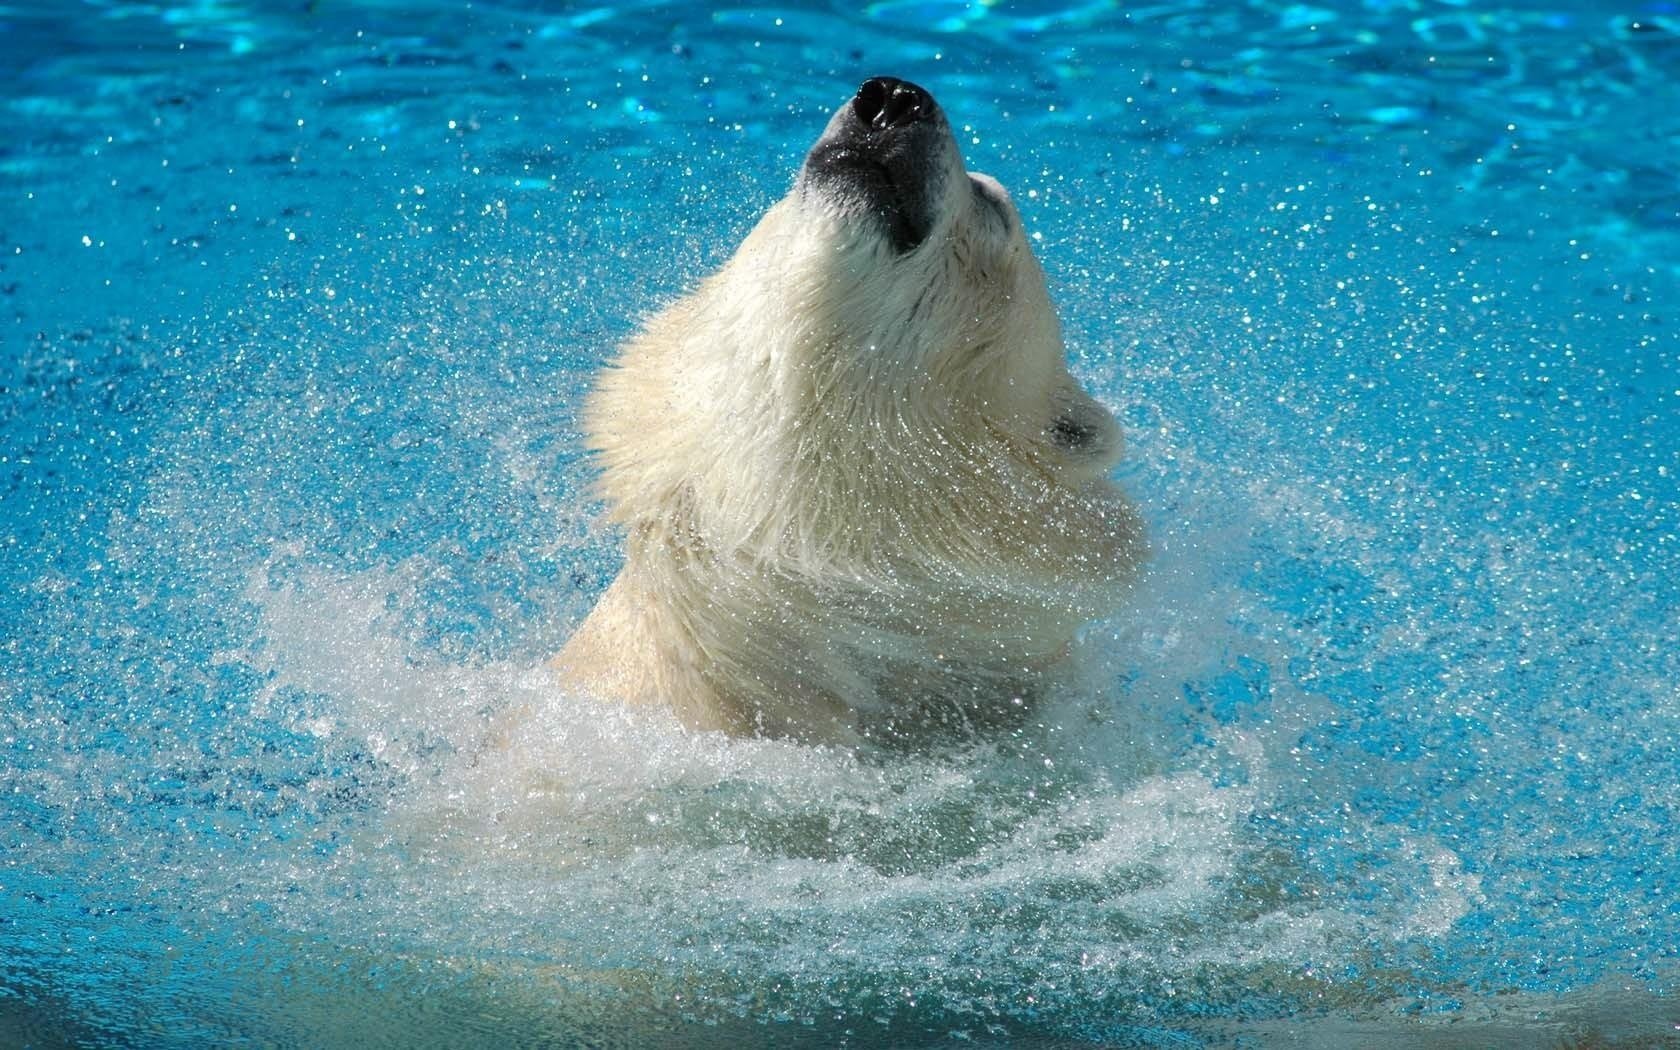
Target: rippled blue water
[296, 302]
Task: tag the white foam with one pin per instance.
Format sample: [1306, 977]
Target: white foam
[533, 824]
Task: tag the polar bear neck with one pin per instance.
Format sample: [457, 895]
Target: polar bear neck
[776, 462]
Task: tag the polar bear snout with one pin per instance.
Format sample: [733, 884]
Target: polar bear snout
[887, 102]
[885, 157]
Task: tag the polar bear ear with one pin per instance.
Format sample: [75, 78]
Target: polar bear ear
[1070, 433]
[992, 196]
[1083, 430]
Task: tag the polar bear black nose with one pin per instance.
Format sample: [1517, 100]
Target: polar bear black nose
[887, 102]
[888, 154]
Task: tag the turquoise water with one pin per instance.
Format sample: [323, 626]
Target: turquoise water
[298, 302]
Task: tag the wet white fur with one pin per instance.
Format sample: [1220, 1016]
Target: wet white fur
[846, 513]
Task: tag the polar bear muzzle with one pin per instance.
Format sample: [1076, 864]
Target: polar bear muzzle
[885, 155]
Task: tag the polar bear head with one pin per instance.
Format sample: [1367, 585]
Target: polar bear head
[880, 347]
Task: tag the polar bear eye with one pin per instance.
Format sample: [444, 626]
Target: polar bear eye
[992, 201]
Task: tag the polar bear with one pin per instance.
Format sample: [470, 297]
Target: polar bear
[864, 499]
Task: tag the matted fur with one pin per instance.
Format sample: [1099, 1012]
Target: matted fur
[852, 508]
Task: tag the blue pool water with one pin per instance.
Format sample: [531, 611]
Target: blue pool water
[296, 304]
